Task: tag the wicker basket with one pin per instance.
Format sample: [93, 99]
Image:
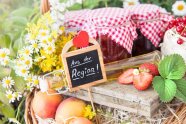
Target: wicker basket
[179, 117]
[45, 6]
[29, 113]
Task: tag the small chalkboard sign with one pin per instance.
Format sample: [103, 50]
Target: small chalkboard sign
[83, 67]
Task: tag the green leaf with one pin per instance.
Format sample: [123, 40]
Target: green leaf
[18, 44]
[165, 88]
[6, 108]
[16, 20]
[7, 111]
[23, 12]
[172, 67]
[4, 72]
[3, 98]
[5, 41]
[181, 89]
[3, 120]
[19, 82]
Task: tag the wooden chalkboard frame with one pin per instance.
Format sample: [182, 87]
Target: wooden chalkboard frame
[66, 54]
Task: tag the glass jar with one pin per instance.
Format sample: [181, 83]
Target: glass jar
[111, 50]
[142, 45]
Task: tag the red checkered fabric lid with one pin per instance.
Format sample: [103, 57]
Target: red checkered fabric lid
[151, 20]
[112, 22]
[109, 21]
[120, 24]
[76, 19]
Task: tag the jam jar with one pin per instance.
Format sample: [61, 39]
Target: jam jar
[111, 50]
[142, 45]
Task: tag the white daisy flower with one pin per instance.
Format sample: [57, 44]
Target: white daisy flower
[35, 46]
[8, 82]
[43, 33]
[5, 61]
[29, 86]
[22, 71]
[28, 39]
[21, 58]
[10, 96]
[4, 52]
[35, 81]
[27, 62]
[17, 95]
[29, 78]
[43, 42]
[127, 3]
[50, 48]
[179, 8]
[27, 51]
[14, 120]
[50, 40]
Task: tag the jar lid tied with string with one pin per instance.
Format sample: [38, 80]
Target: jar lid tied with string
[111, 27]
[151, 22]
[115, 28]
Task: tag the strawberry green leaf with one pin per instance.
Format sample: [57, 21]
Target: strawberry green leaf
[181, 89]
[172, 67]
[165, 88]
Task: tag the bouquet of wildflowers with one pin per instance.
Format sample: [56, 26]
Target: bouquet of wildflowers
[40, 54]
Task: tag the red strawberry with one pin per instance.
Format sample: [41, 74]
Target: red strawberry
[142, 81]
[149, 67]
[126, 77]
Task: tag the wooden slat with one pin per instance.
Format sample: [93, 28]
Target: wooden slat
[124, 97]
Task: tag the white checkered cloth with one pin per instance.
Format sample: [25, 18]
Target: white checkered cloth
[120, 24]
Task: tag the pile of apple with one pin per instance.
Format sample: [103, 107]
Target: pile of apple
[141, 78]
[68, 111]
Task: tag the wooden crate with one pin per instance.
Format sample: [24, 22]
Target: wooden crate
[123, 97]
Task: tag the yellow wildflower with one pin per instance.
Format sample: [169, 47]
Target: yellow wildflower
[88, 113]
[46, 19]
[48, 63]
[54, 34]
[33, 30]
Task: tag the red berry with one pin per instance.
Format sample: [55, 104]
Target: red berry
[184, 19]
[180, 28]
[178, 20]
[161, 34]
[180, 41]
[172, 22]
[170, 26]
[183, 34]
[149, 67]
[181, 24]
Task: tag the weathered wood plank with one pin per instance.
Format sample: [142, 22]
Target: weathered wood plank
[124, 97]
